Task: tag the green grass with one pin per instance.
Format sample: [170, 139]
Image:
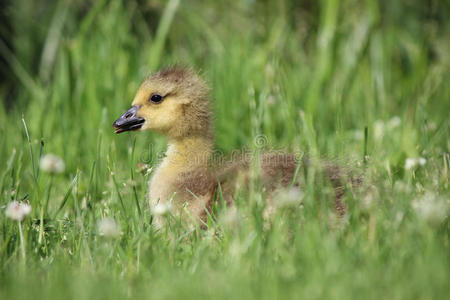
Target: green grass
[310, 77]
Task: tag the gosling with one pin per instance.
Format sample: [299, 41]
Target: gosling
[175, 103]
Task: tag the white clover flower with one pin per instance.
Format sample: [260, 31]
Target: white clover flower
[235, 249]
[161, 209]
[422, 161]
[52, 163]
[358, 135]
[394, 122]
[17, 210]
[378, 129]
[431, 208]
[289, 197]
[230, 218]
[109, 228]
[369, 200]
[412, 163]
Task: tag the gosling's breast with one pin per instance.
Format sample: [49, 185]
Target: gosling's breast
[184, 186]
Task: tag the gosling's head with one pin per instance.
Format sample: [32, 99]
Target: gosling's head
[174, 102]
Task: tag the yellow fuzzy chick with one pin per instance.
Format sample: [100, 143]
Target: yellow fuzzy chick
[176, 103]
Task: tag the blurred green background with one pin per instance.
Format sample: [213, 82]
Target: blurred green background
[309, 75]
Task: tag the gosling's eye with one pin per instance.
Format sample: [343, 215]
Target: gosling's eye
[156, 98]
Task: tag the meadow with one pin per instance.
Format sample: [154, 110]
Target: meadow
[363, 84]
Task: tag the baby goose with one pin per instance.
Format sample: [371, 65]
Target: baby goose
[175, 102]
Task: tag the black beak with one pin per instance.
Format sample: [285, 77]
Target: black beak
[128, 121]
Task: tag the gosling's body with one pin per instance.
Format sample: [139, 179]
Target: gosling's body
[175, 103]
[184, 178]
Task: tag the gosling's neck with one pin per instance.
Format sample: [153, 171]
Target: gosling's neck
[188, 153]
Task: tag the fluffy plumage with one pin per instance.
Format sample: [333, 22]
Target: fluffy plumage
[186, 177]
